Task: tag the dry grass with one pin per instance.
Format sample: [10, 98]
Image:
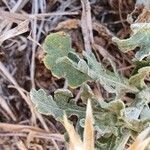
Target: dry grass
[75, 142]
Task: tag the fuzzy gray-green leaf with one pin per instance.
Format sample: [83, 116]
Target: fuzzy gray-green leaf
[45, 104]
[110, 81]
[56, 106]
[140, 38]
[57, 46]
[114, 106]
[64, 63]
[138, 79]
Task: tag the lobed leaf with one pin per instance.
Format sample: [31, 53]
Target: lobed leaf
[63, 62]
[113, 106]
[140, 38]
[45, 104]
[111, 119]
[110, 81]
[57, 46]
[138, 79]
[56, 106]
[68, 69]
[86, 93]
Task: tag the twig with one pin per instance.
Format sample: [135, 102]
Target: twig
[57, 137]
[5, 106]
[86, 24]
[21, 28]
[12, 80]
[21, 17]
[42, 15]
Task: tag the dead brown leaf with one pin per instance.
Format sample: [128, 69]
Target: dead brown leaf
[68, 24]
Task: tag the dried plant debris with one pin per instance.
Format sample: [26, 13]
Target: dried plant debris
[20, 29]
[142, 141]
[75, 142]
